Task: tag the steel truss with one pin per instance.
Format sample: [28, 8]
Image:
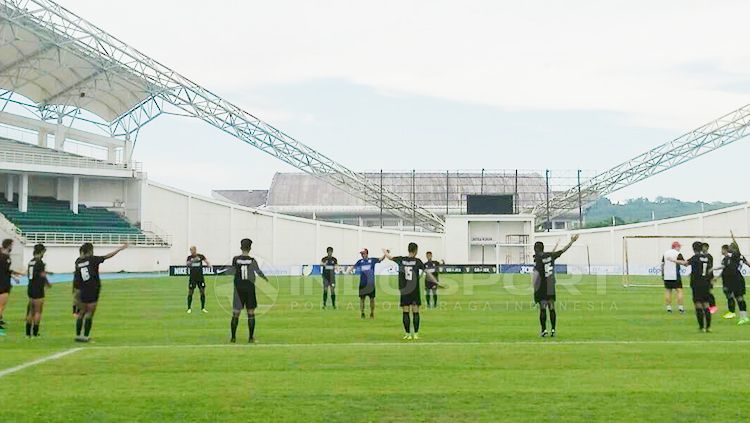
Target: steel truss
[709, 137]
[66, 31]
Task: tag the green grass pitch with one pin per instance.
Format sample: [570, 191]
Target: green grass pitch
[618, 357]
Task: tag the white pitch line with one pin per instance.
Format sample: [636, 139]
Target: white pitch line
[54, 356]
[418, 343]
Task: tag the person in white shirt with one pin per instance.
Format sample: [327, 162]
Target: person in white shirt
[670, 271]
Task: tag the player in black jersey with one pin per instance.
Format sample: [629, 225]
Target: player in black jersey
[733, 281]
[700, 283]
[328, 270]
[544, 283]
[77, 288]
[430, 288]
[6, 274]
[408, 286]
[245, 268]
[195, 262]
[712, 299]
[87, 270]
[37, 284]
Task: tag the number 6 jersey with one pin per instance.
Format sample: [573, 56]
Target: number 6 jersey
[87, 271]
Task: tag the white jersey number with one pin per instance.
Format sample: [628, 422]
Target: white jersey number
[408, 273]
[85, 275]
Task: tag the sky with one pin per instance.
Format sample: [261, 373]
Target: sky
[435, 85]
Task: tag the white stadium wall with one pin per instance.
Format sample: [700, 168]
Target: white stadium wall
[601, 250]
[217, 227]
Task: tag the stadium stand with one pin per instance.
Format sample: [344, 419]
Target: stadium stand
[51, 215]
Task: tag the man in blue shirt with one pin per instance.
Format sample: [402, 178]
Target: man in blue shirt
[366, 268]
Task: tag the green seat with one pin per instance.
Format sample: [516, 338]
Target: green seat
[53, 216]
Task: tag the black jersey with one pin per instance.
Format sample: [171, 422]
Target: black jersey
[431, 266]
[408, 273]
[37, 281]
[245, 268]
[195, 266]
[329, 267]
[699, 270]
[87, 271]
[5, 272]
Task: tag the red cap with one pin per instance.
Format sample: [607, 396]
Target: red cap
[364, 251]
[676, 245]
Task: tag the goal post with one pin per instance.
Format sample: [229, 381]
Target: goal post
[642, 254]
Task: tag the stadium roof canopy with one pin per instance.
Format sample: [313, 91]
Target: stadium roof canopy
[40, 70]
[63, 68]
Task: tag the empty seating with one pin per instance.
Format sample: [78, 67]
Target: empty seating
[50, 215]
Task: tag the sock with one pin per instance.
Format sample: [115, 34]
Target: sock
[325, 297]
[75, 309]
[79, 325]
[87, 323]
[730, 304]
[251, 326]
[742, 305]
[543, 318]
[203, 301]
[427, 298]
[434, 299]
[190, 301]
[707, 317]
[333, 300]
[28, 329]
[235, 321]
[699, 315]
[553, 318]
[711, 300]
[416, 322]
[35, 329]
[407, 322]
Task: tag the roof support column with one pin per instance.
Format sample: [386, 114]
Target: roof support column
[112, 154]
[9, 186]
[60, 134]
[74, 197]
[23, 193]
[42, 138]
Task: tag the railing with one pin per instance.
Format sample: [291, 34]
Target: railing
[63, 160]
[94, 238]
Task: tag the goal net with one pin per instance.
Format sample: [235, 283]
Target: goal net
[642, 254]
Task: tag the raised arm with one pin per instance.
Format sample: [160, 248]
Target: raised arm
[573, 239]
[386, 255]
[114, 253]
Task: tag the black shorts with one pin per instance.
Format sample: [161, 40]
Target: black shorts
[701, 294]
[734, 287]
[5, 288]
[244, 297]
[35, 292]
[430, 285]
[200, 283]
[367, 291]
[673, 284]
[545, 292]
[328, 281]
[410, 298]
[90, 294]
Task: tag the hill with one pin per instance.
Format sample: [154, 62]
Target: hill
[642, 209]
